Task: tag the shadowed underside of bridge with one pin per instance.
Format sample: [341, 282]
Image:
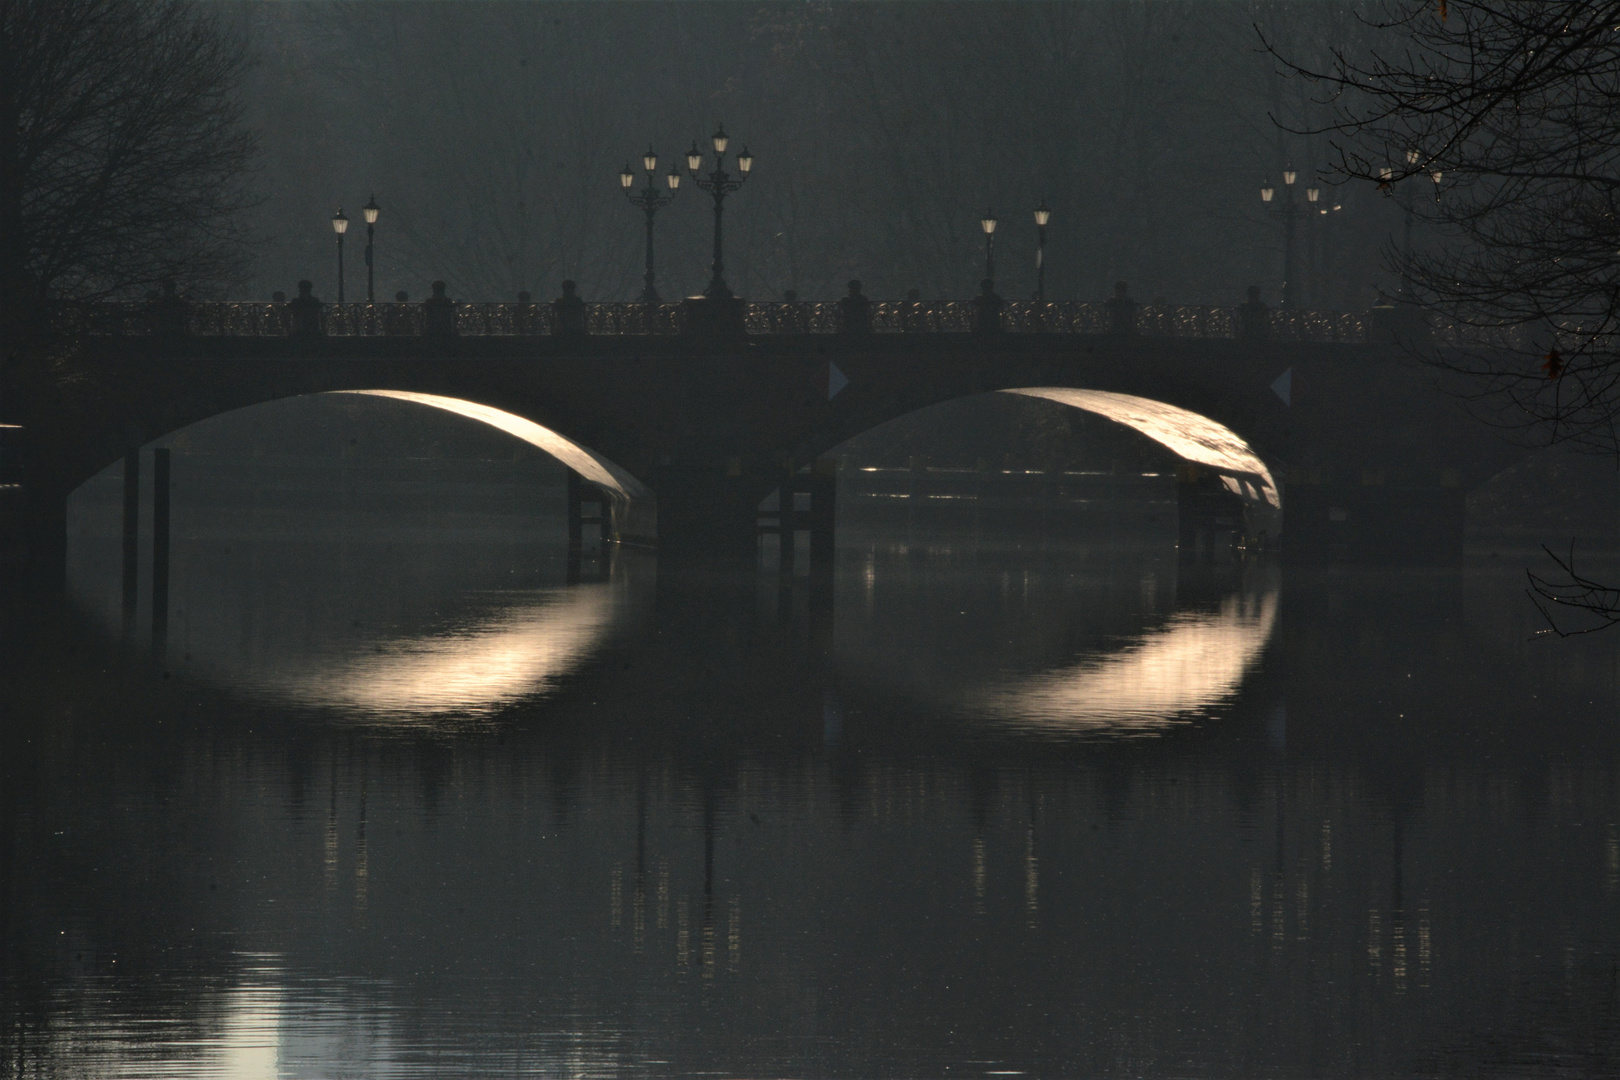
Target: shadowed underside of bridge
[711, 428]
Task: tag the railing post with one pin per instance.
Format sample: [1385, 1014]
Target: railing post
[438, 314]
[304, 313]
[855, 312]
[1122, 311]
[1254, 318]
[169, 313]
[987, 309]
[568, 313]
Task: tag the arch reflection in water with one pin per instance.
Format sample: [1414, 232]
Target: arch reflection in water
[474, 668]
[1171, 675]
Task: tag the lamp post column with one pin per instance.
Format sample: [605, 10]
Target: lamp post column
[340, 225]
[649, 293]
[1288, 253]
[988, 224]
[717, 270]
[371, 210]
[1042, 216]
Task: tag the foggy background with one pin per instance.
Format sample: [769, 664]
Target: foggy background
[492, 135]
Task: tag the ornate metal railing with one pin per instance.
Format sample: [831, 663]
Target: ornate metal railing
[252, 319]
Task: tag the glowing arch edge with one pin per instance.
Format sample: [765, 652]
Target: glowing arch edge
[589, 464]
[1191, 436]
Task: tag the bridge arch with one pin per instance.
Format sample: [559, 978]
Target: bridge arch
[633, 505]
[1191, 436]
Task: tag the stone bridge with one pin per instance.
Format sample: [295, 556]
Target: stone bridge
[708, 406]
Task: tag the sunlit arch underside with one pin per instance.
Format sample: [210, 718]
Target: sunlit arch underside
[1195, 661]
[589, 464]
[1190, 436]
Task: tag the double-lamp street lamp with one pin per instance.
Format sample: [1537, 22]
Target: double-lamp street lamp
[340, 225]
[651, 200]
[988, 223]
[1290, 212]
[719, 183]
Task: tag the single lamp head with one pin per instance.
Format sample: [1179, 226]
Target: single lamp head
[340, 222]
[1435, 174]
[649, 160]
[1411, 157]
[1289, 176]
[721, 139]
[626, 178]
[988, 223]
[1266, 193]
[694, 158]
[371, 210]
[1042, 214]
[745, 162]
[1312, 194]
[674, 178]
[1386, 174]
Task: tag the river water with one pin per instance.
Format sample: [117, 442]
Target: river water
[405, 794]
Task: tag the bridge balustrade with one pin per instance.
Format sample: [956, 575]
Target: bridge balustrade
[252, 320]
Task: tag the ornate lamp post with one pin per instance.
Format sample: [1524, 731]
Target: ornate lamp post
[370, 210]
[719, 183]
[650, 200]
[1289, 211]
[1042, 216]
[340, 225]
[988, 224]
[1387, 180]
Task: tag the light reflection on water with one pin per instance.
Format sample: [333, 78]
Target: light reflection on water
[654, 855]
[1170, 676]
[473, 669]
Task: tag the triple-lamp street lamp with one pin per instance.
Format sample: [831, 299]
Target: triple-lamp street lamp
[718, 183]
[1386, 178]
[1290, 212]
[650, 199]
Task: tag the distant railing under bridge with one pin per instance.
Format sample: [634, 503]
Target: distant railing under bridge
[240, 319]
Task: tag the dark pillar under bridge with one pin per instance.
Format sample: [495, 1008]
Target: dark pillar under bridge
[132, 536]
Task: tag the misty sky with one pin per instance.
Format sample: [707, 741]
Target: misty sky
[492, 135]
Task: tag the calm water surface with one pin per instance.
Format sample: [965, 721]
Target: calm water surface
[402, 801]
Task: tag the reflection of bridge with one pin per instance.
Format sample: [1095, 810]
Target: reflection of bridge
[711, 405]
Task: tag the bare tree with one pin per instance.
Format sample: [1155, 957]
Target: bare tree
[1508, 114]
[122, 157]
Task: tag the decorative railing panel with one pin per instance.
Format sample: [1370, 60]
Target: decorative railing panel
[805, 317]
[917, 317]
[634, 318]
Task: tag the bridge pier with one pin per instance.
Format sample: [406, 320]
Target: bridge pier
[819, 519]
[1374, 523]
[709, 523]
[45, 530]
[1211, 519]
